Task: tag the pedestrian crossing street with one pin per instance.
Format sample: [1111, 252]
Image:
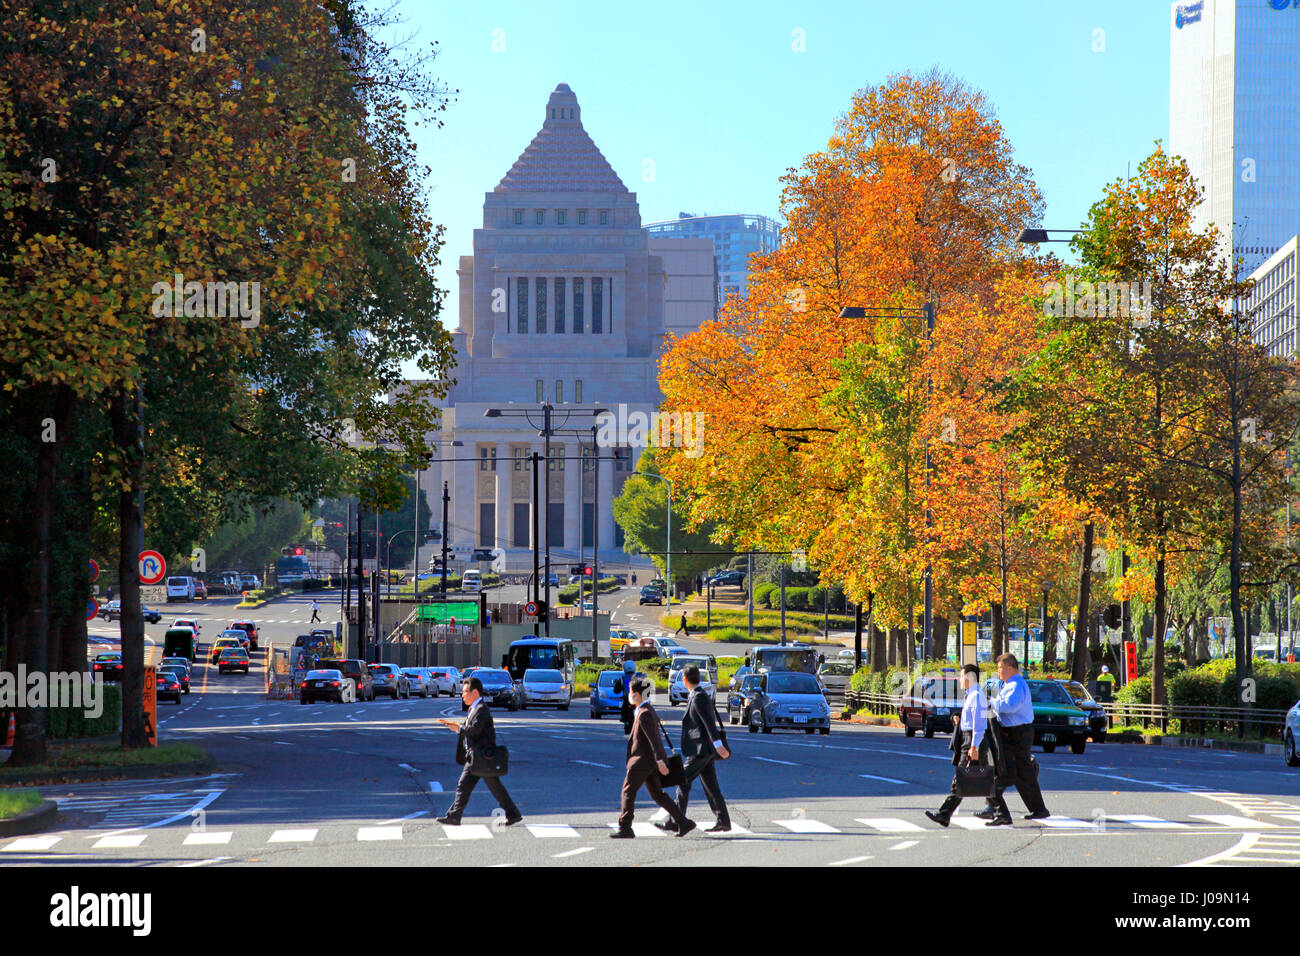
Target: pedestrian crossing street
[1263, 840]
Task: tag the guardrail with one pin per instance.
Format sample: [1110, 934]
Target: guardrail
[1192, 720]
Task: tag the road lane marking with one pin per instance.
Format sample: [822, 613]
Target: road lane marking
[215, 859]
[851, 860]
[579, 850]
[890, 825]
[804, 825]
[905, 845]
[27, 844]
[292, 836]
[409, 816]
[1237, 823]
[435, 786]
[468, 831]
[204, 838]
[872, 776]
[786, 763]
[127, 840]
[379, 833]
[970, 823]
[552, 830]
[642, 829]
[1147, 822]
[592, 763]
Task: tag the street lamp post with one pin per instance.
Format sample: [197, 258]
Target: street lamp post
[668, 555]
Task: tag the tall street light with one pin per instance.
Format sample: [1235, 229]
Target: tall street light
[668, 550]
[926, 313]
[1035, 236]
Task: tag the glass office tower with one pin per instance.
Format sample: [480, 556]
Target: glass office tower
[735, 239]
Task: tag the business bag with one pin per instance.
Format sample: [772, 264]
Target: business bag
[976, 780]
[676, 775]
[489, 761]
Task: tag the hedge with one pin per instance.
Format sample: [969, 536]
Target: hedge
[569, 593]
[69, 722]
[763, 594]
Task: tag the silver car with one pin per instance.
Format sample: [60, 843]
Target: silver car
[447, 680]
[541, 686]
[389, 679]
[677, 691]
[420, 681]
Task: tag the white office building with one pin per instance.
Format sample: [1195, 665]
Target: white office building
[1232, 117]
[1272, 302]
[565, 300]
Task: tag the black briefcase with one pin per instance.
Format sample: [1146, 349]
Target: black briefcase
[676, 775]
[976, 780]
[489, 761]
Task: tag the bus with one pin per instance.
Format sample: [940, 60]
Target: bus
[291, 569]
[546, 653]
[786, 657]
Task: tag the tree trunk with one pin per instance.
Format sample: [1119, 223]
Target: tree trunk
[1158, 658]
[940, 638]
[128, 434]
[999, 647]
[1049, 642]
[1079, 665]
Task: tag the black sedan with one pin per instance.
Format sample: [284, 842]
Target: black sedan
[113, 610]
[167, 687]
[499, 689]
[110, 665]
[181, 674]
[327, 685]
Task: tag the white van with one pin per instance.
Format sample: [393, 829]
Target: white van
[472, 580]
[180, 589]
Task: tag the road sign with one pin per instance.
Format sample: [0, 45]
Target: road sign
[94, 571]
[92, 609]
[531, 608]
[150, 705]
[1130, 660]
[152, 567]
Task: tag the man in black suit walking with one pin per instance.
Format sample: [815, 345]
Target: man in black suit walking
[476, 734]
[703, 742]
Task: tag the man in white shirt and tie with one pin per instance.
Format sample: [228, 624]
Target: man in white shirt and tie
[1014, 708]
[970, 744]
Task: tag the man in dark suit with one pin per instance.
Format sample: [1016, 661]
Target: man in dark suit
[703, 742]
[475, 734]
[646, 760]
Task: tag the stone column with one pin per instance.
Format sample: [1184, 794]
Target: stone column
[462, 512]
[572, 499]
[504, 506]
[605, 494]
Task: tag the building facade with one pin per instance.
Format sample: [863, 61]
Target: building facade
[1272, 302]
[1232, 117]
[735, 239]
[564, 301]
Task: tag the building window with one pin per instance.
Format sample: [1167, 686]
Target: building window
[556, 463]
[487, 458]
[559, 217]
[541, 304]
[582, 217]
[541, 216]
[604, 217]
[523, 458]
[597, 304]
[541, 391]
[559, 391]
[559, 305]
[577, 391]
[519, 217]
[577, 305]
[521, 323]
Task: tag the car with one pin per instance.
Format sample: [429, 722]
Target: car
[354, 668]
[606, 694]
[739, 674]
[389, 679]
[181, 674]
[728, 579]
[182, 662]
[200, 590]
[848, 654]
[221, 644]
[327, 684]
[499, 689]
[233, 659]
[109, 664]
[930, 704]
[447, 678]
[420, 681]
[789, 700]
[249, 628]
[112, 611]
[619, 638]
[708, 665]
[542, 686]
[650, 595]
[249, 582]
[150, 615]
[741, 697]
[187, 622]
[667, 646]
[1290, 731]
[1056, 718]
[835, 675]
[1098, 720]
[239, 635]
[167, 686]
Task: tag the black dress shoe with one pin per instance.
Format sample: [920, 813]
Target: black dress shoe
[448, 821]
[719, 828]
[999, 822]
[1038, 815]
[938, 818]
[511, 821]
[686, 828]
[668, 826]
[622, 835]
[988, 813]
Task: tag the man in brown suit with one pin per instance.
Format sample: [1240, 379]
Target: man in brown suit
[646, 760]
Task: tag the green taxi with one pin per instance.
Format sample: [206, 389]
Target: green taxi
[1057, 721]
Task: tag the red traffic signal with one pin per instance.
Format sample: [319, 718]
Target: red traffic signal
[297, 551]
[587, 571]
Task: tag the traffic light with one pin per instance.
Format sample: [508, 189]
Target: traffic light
[297, 552]
[587, 571]
[1112, 617]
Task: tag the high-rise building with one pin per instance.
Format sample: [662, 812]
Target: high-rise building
[1271, 302]
[1232, 116]
[735, 239]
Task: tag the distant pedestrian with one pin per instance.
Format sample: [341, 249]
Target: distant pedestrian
[634, 577]
[703, 742]
[681, 628]
[315, 613]
[971, 744]
[110, 592]
[646, 762]
[476, 739]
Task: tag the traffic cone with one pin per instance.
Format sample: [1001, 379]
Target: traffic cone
[9, 734]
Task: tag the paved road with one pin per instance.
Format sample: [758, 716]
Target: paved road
[359, 784]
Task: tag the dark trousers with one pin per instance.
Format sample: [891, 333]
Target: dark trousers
[315, 616]
[954, 799]
[702, 766]
[1016, 744]
[647, 774]
[465, 786]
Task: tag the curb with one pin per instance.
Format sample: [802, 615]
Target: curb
[91, 774]
[1205, 743]
[31, 821]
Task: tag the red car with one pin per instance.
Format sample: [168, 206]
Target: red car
[249, 628]
[934, 701]
[200, 589]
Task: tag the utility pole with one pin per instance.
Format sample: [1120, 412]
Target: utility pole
[783, 600]
[927, 620]
[377, 585]
[536, 541]
[415, 554]
[749, 579]
[361, 598]
[346, 597]
[446, 499]
[546, 436]
[595, 543]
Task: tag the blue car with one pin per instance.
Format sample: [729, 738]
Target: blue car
[604, 698]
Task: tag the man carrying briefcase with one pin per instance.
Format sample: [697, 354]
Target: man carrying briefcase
[477, 750]
[974, 776]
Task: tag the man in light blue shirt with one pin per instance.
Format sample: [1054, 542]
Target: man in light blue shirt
[1014, 708]
[970, 745]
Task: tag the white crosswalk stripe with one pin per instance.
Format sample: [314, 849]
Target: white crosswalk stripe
[890, 825]
[468, 831]
[804, 825]
[1228, 820]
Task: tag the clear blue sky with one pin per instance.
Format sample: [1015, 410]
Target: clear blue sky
[715, 95]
